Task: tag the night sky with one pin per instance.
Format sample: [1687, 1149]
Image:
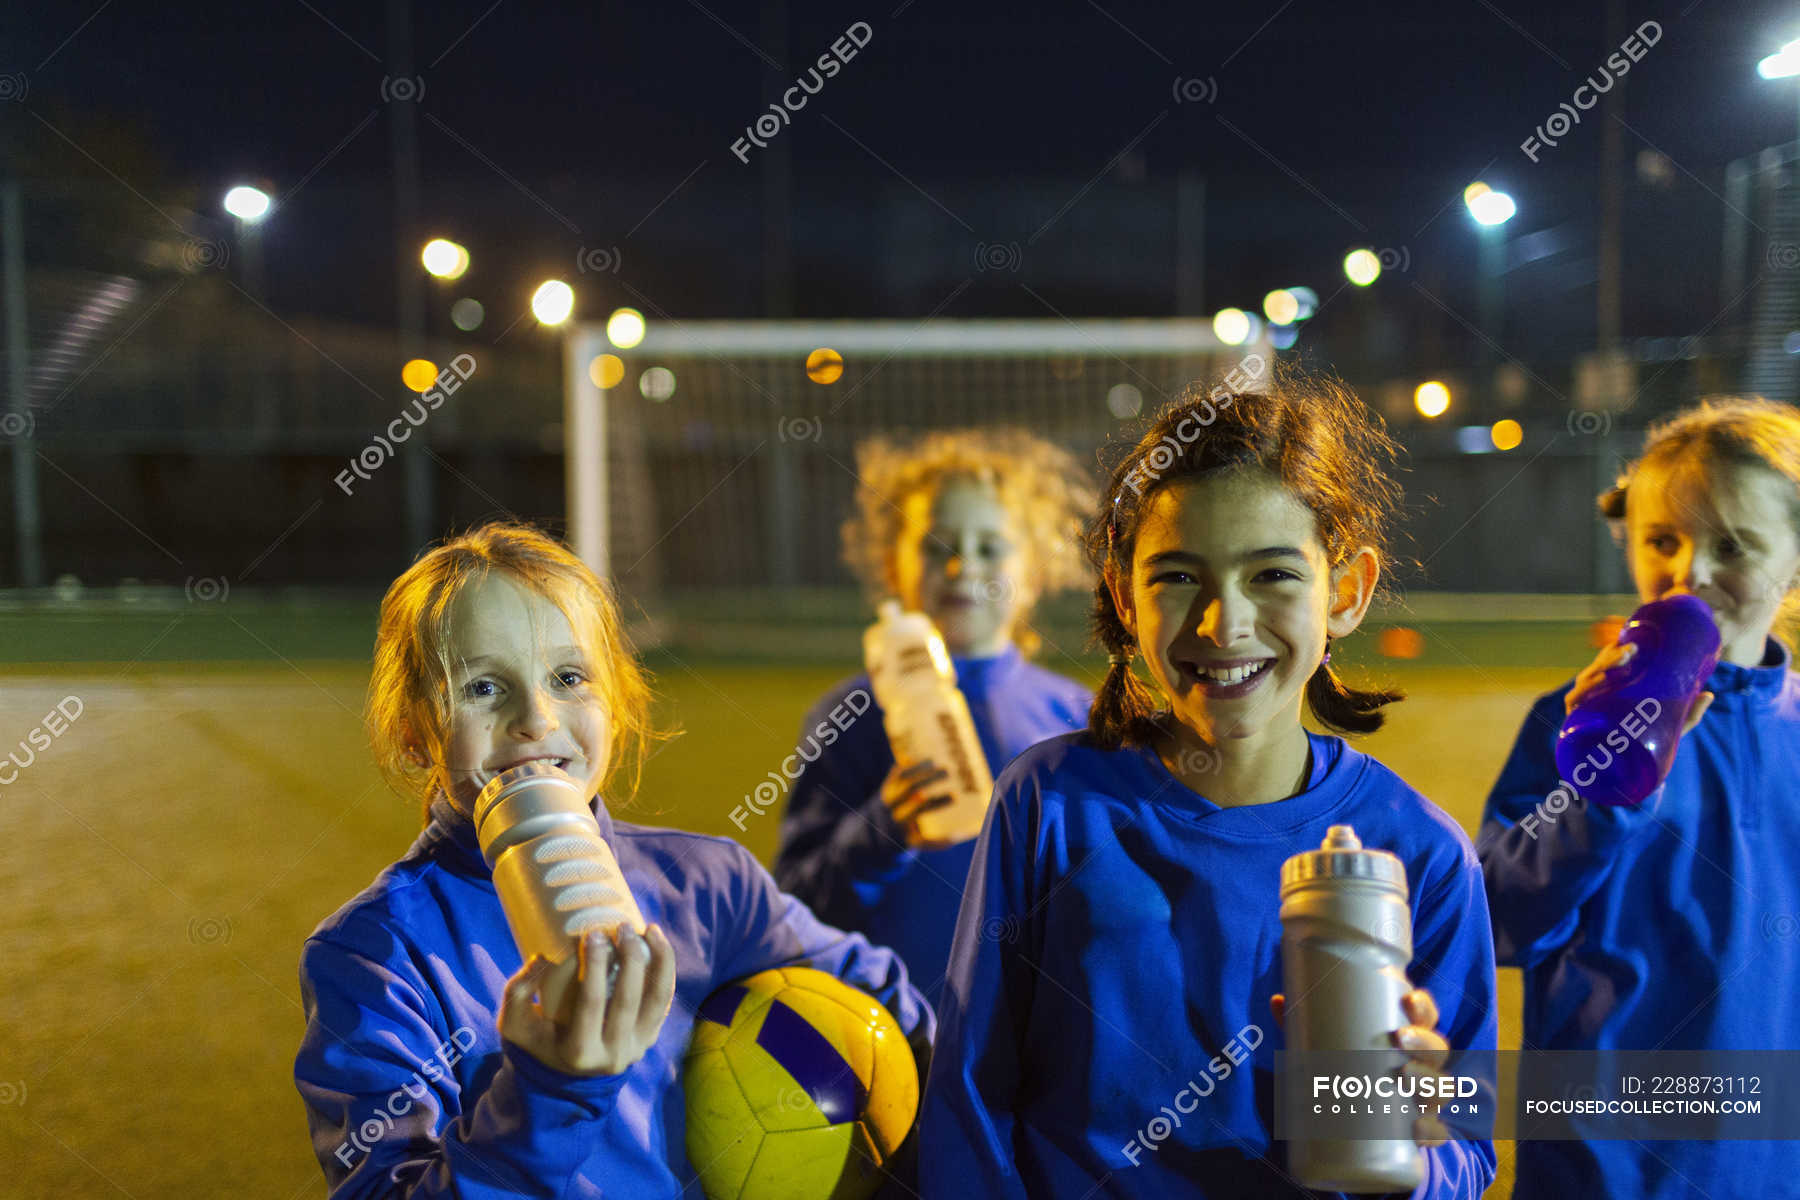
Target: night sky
[547, 130]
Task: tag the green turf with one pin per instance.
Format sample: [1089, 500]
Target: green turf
[169, 852]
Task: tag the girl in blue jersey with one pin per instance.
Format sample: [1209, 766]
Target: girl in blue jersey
[969, 528]
[1120, 934]
[1669, 926]
[429, 1067]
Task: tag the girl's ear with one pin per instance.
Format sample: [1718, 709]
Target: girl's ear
[1121, 598]
[1352, 589]
[413, 747]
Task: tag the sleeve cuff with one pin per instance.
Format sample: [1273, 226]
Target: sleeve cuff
[1620, 822]
[594, 1092]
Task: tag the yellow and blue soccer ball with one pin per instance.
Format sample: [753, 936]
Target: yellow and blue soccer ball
[798, 1086]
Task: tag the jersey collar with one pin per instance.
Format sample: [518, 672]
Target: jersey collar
[1336, 768]
[982, 674]
[1735, 686]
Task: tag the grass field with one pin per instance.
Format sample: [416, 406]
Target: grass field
[214, 799]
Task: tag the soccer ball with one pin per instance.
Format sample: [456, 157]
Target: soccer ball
[798, 1086]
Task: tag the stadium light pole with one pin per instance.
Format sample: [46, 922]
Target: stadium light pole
[1490, 210]
[249, 207]
[28, 525]
[1785, 64]
[446, 262]
[1770, 374]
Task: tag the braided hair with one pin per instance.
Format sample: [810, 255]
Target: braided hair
[1311, 432]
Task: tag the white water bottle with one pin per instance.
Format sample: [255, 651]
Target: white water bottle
[1346, 939]
[926, 717]
[557, 878]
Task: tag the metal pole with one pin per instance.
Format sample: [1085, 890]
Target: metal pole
[1607, 322]
[1493, 309]
[781, 513]
[585, 460]
[1731, 276]
[1768, 368]
[777, 178]
[1190, 243]
[27, 520]
[1612, 157]
[250, 244]
[403, 147]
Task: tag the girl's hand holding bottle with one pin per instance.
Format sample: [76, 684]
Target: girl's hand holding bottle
[1614, 656]
[600, 1030]
[1426, 1052]
[907, 793]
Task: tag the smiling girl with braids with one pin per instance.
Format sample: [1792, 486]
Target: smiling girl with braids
[1120, 926]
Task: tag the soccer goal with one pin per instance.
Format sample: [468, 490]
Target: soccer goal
[712, 462]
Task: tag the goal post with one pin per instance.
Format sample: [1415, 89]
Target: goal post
[714, 463]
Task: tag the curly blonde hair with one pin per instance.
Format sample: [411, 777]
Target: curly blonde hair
[409, 706]
[1745, 430]
[1040, 485]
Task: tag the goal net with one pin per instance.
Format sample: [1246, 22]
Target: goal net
[709, 469]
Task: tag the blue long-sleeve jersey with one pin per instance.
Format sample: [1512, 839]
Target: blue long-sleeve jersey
[411, 1092]
[1662, 927]
[841, 851]
[1120, 932]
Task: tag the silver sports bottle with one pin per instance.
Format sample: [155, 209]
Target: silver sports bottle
[1346, 938]
[556, 876]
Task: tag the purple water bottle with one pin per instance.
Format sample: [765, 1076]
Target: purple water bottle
[1618, 744]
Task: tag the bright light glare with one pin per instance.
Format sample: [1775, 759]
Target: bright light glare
[552, 303]
[247, 204]
[1507, 434]
[1492, 208]
[1124, 401]
[1232, 326]
[625, 328]
[825, 366]
[467, 313]
[658, 384]
[1432, 398]
[1309, 301]
[445, 259]
[1362, 267]
[1782, 63]
[607, 370]
[419, 374]
[1281, 306]
[1474, 192]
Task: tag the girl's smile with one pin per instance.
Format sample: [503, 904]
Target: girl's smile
[1229, 680]
[1231, 600]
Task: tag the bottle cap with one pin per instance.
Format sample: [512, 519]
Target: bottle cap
[495, 816]
[523, 775]
[1342, 856]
